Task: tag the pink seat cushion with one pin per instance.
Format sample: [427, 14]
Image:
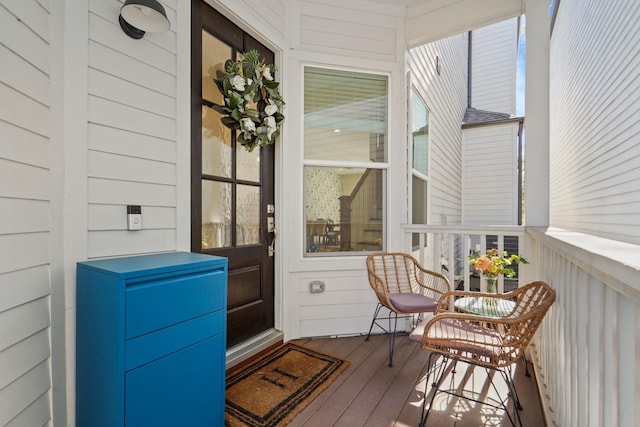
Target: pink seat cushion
[413, 303]
[461, 336]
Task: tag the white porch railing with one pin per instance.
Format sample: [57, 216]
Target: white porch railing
[587, 351]
[446, 248]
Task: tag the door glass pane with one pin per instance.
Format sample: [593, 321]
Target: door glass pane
[345, 115]
[247, 215]
[216, 214]
[344, 209]
[247, 164]
[214, 55]
[216, 145]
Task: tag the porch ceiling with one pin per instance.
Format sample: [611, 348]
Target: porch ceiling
[431, 20]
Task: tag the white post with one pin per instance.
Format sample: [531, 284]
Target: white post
[536, 158]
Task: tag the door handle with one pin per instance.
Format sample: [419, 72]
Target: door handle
[271, 240]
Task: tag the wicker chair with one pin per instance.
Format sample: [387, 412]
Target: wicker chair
[493, 341]
[403, 287]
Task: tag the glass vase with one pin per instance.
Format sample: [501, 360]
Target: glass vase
[492, 289]
[492, 285]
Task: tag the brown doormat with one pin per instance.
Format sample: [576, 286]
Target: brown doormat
[273, 389]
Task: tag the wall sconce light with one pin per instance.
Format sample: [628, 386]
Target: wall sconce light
[438, 65]
[140, 16]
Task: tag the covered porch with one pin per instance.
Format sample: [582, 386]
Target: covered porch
[369, 393]
[583, 358]
[91, 121]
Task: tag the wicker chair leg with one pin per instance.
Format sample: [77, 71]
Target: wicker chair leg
[512, 390]
[515, 392]
[526, 366]
[437, 380]
[392, 335]
[373, 322]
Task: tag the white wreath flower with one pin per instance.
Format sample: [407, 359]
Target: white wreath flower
[252, 103]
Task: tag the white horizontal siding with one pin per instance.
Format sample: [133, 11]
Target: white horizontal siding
[494, 56]
[23, 146]
[354, 29]
[21, 39]
[112, 62]
[23, 216]
[120, 141]
[132, 134]
[445, 96]
[345, 307]
[22, 286]
[113, 217]
[595, 132]
[23, 77]
[490, 175]
[18, 180]
[24, 112]
[25, 131]
[271, 18]
[29, 388]
[127, 193]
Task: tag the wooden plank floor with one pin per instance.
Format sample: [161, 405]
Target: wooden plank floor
[369, 393]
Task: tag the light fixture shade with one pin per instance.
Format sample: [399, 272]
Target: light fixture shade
[140, 16]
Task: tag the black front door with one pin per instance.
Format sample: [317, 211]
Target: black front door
[232, 190]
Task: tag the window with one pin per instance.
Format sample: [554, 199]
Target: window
[420, 159]
[345, 160]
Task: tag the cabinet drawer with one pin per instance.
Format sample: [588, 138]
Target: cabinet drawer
[150, 347]
[185, 388]
[151, 306]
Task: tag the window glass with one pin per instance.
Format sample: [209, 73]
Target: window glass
[345, 115]
[345, 155]
[344, 209]
[420, 134]
[418, 201]
[216, 214]
[216, 145]
[419, 122]
[247, 215]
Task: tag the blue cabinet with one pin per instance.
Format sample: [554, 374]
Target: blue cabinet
[151, 341]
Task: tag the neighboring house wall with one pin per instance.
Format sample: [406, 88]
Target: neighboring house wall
[446, 97]
[494, 53]
[25, 203]
[490, 152]
[490, 175]
[595, 132]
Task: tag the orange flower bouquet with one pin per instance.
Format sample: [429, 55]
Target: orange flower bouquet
[493, 263]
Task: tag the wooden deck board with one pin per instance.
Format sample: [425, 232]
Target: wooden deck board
[369, 393]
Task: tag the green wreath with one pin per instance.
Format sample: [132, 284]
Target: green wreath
[252, 103]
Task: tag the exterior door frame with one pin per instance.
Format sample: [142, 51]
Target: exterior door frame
[268, 337]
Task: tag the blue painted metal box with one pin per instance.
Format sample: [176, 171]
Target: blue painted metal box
[151, 341]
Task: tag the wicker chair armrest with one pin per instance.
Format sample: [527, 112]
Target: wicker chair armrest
[468, 317]
[380, 288]
[377, 283]
[440, 280]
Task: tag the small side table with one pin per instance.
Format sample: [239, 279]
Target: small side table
[485, 306]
